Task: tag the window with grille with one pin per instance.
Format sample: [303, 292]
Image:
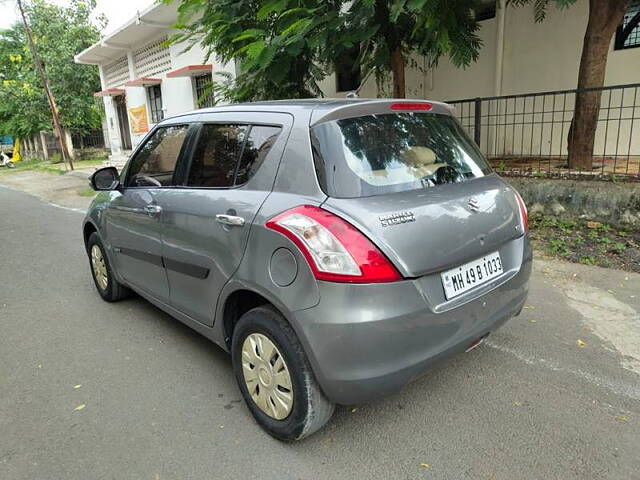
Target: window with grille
[485, 10]
[628, 33]
[155, 103]
[204, 91]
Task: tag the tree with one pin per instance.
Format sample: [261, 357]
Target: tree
[58, 33]
[390, 32]
[285, 47]
[604, 18]
[274, 42]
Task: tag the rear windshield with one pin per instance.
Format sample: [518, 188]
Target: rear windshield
[395, 152]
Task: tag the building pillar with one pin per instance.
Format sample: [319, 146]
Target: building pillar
[69, 140]
[501, 13]
[43, 141]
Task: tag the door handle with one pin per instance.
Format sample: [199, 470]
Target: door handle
[152, 210]
[230, 220]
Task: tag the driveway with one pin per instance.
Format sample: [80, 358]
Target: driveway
[90, 390]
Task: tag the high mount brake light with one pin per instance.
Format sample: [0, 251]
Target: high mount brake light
[411, 106]
[335, 250]
[523, 212]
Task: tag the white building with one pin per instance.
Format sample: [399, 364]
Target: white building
[518, 56]
[143, 78]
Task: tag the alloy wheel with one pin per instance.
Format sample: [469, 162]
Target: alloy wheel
[99, 267]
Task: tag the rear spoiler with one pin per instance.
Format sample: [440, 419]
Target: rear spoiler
[377, 106]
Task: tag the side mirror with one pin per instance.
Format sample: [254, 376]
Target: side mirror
[106, 178]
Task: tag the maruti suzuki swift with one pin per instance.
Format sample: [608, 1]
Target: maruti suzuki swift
[336, 248]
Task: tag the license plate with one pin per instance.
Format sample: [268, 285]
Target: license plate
[470, 275]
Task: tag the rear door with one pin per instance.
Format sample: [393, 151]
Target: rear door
[417, 186]
[134, 218]
[206, 221]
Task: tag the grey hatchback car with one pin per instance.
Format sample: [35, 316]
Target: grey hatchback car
[336, 248]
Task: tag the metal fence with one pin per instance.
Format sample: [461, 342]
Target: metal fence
[91, 139]
[528, 134]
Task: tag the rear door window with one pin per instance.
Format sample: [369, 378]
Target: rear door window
[395, 152]
[215, 158]
[154, 164]
[228, 155]
[260, 140]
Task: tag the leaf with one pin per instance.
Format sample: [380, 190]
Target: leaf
[296, 26]
[293, 11]
[425, 465]
[416, 4]
[77, 386]
[274, 6]
[591, 224]
[581, 343]
[396, 10]
[250, 33]
[79, 407]
[265, 57]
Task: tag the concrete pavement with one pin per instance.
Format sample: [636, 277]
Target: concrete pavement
[90, 390]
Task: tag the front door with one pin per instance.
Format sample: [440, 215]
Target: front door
[123, 121]
[134, 223]
[206, 222]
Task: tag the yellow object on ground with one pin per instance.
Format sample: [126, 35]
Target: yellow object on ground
[16, 152]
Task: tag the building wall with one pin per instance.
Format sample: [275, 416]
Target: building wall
[178, 94]
[537, 57]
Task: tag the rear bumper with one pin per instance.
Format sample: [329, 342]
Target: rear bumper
[368, 341]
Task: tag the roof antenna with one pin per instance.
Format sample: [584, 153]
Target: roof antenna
[356, 93]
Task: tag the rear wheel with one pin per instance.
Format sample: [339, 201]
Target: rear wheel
[275, 377]
[108, 287]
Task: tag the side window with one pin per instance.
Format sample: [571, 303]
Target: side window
[259, 142]
[155, 162]
[216, 156]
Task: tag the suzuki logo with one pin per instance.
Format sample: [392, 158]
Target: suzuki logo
[473, 205]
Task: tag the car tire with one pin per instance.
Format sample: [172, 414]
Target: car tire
[310, 409]
[108, 287]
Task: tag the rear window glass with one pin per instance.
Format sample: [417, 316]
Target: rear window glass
[397, 152]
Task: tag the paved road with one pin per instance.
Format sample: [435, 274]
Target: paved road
[161, 402]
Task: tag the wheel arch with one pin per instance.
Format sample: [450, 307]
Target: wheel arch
[87, 230]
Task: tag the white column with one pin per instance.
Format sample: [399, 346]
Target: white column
[43, 141]
[501, 13]
[69, 140]
[132, 65]
[112, 122]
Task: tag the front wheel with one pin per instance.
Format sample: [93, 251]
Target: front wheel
[108, 287]
[275, 377]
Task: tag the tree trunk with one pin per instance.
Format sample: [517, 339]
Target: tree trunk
[604, 18]
[397, 68]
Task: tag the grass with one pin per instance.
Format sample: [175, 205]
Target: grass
[587, 242]
[51, 166]
[87, 192]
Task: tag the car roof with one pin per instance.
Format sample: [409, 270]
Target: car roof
[325, 109]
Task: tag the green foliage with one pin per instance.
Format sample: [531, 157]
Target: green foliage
[432, 28]
[272, 41]
[286, 47]
[540, 6]
[59, 33]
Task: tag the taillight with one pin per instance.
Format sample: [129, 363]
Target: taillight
[335, 250]
[523, 213]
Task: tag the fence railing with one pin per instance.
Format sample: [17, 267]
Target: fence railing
[91, 139]
[528, 134]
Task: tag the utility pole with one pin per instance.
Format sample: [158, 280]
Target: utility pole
[45, 83]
